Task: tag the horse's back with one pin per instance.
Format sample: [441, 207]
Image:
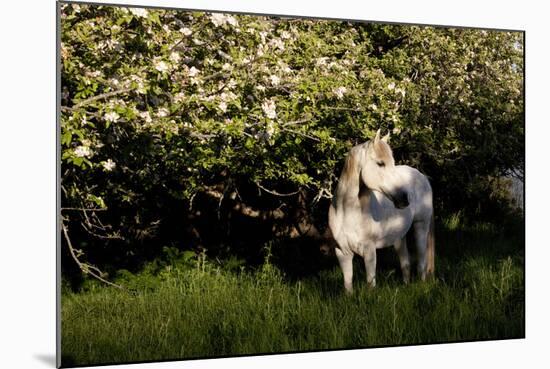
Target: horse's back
[421, 191]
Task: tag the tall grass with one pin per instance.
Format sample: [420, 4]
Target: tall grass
[198, 308]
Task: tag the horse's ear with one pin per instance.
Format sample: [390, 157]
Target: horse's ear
[386, 138]
[377, 138]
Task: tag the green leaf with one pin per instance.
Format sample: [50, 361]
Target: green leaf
[154, 16]
[66, 138]
[96, 200]
[249, 143]
[78, 161]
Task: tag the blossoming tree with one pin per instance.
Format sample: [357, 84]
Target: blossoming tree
[173, 122]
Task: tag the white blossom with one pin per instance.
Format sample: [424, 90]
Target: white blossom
[219, 19]
[186, 31]
[285, 68]
[226, 66]
[140, 85]
[391, 86]
[163, 112]
[193, 72]
[373, 107]
[274, 80]
[173, 127]
[268, 107]
[108, 165]
[340, 91]
[277, 43]
[146, 116]
[179, 97]
[140, 12]
[175, 57]
[227, 96]
[232, 83]
[160, 65]
[82, 152]
[232, 20]
[321, 61]
[270, 129]
[223, 106]
[111, 116]
[285, 35]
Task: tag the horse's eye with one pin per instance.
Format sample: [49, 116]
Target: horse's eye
[380, 163]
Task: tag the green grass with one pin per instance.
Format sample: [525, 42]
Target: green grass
[200, 309]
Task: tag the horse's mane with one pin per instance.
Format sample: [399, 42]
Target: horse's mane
[349, 179]
[351, 167]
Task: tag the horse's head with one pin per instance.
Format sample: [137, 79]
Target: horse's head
[378, 171]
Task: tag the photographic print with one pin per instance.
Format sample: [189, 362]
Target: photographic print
[247, 184]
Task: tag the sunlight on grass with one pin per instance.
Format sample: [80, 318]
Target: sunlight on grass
[198, 309]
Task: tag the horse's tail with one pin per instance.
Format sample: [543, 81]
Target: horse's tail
[430, 252]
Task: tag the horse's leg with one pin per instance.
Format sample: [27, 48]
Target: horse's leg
[403, 253]
[369, 255]
[421, 238]
[346, 263]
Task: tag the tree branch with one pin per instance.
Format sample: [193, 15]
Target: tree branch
[202, 136]
[275, 192]
[99, 97]
[85, 267]
[342, 108]
[301, 134]
[292, 122]
[245, 209]
[84, 209]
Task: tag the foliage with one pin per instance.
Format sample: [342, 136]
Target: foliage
[202, 309]
[161, 109]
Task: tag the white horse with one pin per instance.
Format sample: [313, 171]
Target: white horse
[375, 205]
